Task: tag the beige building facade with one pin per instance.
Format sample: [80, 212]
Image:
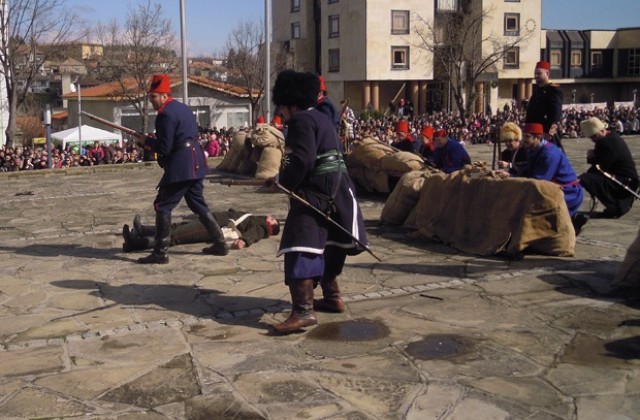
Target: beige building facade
[368, 50]
[365, 49]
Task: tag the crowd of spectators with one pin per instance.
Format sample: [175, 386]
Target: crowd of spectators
[475, 129]
[482, 128]
[27, 158]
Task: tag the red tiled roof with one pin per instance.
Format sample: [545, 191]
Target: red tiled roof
[60, 115]
[113, 90]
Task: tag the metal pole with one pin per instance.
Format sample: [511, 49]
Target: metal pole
[47, 124]
[79, 118]
[183, 38]
[267, 60]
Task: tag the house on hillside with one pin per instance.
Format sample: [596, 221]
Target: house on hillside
[214, 104]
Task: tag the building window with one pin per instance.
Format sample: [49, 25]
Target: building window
[576, 58]
[512, 24]
[334, 60]
[555, 58]
[596, 59]
[400, 22]
[399, 58]
[634, 62]
[332, 1]
[446, 5]
[512, 58]
[295, 30]
[295, 6]
[334, 26]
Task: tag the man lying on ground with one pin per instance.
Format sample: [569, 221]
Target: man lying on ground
[240, 229]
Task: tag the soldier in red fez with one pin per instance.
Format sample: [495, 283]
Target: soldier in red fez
[547, 162]
[182, 158]
[545, 105]
[426, 139]
[450, 155]
[404, 140]
[326, 106]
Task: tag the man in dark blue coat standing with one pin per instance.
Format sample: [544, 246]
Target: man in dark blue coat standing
[313, 168]
[182, 158]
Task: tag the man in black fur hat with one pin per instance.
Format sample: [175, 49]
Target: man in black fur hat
[314, 249]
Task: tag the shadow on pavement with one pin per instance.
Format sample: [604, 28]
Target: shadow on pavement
[69, 250]
[190, 300]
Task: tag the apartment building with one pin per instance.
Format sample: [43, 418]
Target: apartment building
[594, 66]
[369, 50]
[363, 48]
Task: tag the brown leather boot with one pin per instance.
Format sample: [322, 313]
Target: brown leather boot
[331, 300]
[302, 314]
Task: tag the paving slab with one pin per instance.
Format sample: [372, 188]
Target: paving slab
[430, 332]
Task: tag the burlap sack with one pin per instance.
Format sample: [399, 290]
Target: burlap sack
[246, 166]
[403, 198]
[370, 152]
[352, 161]
[486, 215]
[371, 180]
[402, 162]
[629, 272]
[269, 164]
[234, 155]
[265, 135]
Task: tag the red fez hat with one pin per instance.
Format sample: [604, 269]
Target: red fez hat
[160, 83]
[427, 131]
[440, 133]
[276, 120]
[260, 120]
[543, 65]
[323, 86]
[533, 128]
[403, 126]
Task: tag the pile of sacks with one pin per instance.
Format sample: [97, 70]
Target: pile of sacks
[257, 153]
[372, 164]
[481, 214]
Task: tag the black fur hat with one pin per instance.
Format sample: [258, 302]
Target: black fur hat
[297, 89]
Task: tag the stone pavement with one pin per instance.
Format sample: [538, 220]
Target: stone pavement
[430, 333]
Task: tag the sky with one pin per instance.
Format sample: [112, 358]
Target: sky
[209, 22]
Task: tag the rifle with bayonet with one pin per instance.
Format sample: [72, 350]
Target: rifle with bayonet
[270, 182]
[108, 123]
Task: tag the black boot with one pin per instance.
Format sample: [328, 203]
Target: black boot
[219, 246]
[132, 242]
[302, 314]
[331, 300]
[163, 236]
[578, 221]
[142, 230]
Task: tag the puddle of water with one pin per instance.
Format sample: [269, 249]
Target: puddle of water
[437, 346]
[354, 330]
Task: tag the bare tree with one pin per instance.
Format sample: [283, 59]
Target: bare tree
[245, 60]
[24, 26]
[144, 45]
[462, 53]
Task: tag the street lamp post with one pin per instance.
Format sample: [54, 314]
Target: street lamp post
[592, 96]
[47, 124]
[635, 93]
[76, 87]
[573, 96]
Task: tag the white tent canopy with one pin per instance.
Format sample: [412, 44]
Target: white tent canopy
[89, 135]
